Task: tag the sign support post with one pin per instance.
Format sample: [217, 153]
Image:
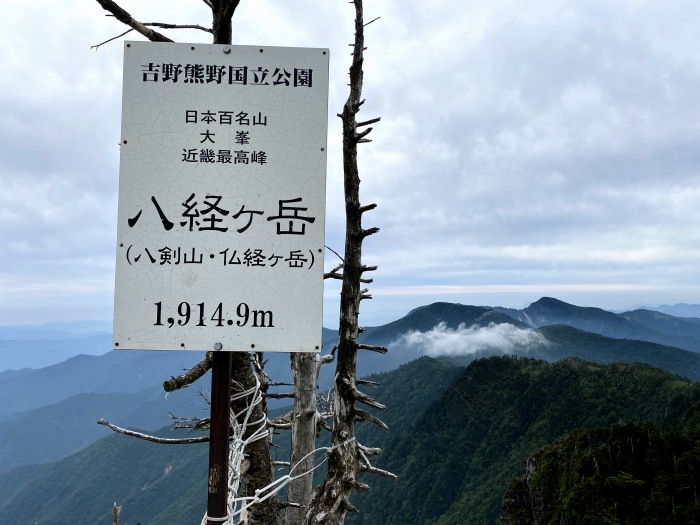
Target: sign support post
[219, 425]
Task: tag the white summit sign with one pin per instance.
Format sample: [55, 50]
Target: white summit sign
[220, 237]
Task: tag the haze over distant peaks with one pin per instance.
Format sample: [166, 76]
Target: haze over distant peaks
[679, 309]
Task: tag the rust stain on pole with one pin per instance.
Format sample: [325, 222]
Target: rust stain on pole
[214, 477]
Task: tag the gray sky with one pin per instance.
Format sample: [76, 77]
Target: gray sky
[530, 148]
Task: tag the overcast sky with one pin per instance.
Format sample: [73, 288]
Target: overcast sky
[549, 147]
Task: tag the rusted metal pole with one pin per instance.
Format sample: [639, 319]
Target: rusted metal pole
[218, 438]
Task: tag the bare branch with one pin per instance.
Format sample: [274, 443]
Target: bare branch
[154, 439]
[322, 423]
[113, 38]
[178, 26]
[279, 426]
[348, 506]
[190, 376]
[336, 253]
[285, 395]
[363, 415]
[368, 23]
[363, 134]
[373, 348]
[208, 4]
[366, 466]
[125, 18]
[282, 420]
[287, 504]
[194, 423]
[333, 274]
[369, 451]
[379, 472]
[368, 122]
[358, 485]
[369, 231]
[367, 400]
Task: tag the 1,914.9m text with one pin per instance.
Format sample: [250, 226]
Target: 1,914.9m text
[186, 313]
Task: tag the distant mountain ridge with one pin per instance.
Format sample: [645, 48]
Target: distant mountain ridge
[641, 325]
[50, 331]
[678, 309]
[16, 354]
[123, 371]
[38, 346]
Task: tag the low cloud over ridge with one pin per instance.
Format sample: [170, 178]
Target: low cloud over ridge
[443, 341]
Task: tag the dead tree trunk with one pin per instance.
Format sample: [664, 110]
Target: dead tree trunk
[305, 369]
[347, 458]
[116, 511]
[260, 469]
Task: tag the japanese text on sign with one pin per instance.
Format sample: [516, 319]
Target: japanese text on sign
[221, 198]
[233, 75]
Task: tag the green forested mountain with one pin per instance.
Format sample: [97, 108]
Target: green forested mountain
[565, 341]
[166, 484]
[624, 474]
[455, 461]
[155, 484]
[458, 437]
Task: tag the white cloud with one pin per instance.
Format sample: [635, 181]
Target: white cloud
[443, 341]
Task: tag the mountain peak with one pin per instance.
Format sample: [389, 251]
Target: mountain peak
[550, 301]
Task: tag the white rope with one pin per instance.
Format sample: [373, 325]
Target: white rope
[283, 481]
[238, 505]
[220, 520]
[239, 423]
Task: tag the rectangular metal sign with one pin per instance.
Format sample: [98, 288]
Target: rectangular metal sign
[220, 237]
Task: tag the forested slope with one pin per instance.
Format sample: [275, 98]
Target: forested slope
[624, 474]
[455, 461]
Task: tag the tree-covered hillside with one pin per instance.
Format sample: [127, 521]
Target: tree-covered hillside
[455, 461]
[457, 438]
[166, 484]
[622, 475]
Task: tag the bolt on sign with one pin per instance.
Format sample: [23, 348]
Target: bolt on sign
[221, 198]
